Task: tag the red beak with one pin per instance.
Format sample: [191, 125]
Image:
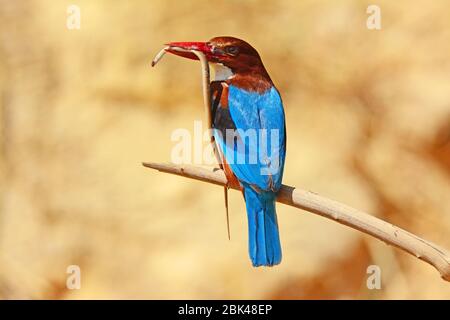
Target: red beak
[182, 49]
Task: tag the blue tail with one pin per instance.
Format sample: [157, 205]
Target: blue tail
[263, 238]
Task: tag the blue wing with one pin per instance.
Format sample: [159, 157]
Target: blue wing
[252, 137]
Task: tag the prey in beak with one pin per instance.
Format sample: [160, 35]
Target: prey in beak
[185, 50]
[204, 52]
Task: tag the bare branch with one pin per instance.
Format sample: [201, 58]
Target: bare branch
[309, 201]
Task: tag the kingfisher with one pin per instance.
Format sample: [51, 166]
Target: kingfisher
[249, 133]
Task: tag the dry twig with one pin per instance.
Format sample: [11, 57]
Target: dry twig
[309, 201]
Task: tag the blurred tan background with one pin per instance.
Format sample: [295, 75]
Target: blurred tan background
[368, 119]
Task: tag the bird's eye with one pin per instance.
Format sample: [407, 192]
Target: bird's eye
[232, 50]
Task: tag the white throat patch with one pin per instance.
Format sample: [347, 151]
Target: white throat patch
[221, 72]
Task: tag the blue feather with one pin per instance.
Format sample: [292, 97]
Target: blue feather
[256, 157]
[263, 239]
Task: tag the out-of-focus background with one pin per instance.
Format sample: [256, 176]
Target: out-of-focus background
[368, 119]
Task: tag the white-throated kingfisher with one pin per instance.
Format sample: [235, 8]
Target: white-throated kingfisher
[249, 133]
